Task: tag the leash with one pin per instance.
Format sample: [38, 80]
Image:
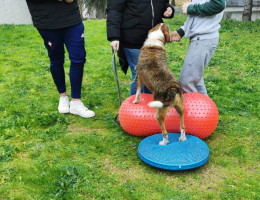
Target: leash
[118, 81]
[115, 70]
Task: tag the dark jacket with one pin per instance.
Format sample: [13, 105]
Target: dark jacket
[54, 14]
[130, 20]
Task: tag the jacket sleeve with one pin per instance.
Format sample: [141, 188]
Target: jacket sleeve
[207, 9]
[166, 5]
[181, 32]
[114, 10]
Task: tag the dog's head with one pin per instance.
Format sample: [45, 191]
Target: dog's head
[160, 32]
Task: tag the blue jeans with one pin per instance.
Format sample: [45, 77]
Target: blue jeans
[132, 59]
[73, 38]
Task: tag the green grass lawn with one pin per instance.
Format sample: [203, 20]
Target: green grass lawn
[48, 155]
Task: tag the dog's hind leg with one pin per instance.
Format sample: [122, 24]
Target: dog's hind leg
[160, 116]
[138, 91]
[178, 105]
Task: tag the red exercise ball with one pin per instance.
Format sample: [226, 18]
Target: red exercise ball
[200, 116]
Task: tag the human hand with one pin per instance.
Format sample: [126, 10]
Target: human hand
[115, 44]
[175, 37]
[185, 7]
[168, 12]
[67, 1]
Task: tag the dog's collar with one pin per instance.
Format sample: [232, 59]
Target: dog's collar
[154, 42]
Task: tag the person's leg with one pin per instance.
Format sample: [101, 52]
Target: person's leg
[54, 43]
[132, 59]
[201, 88]
[146, 90]
[132, 56]
[197, 58]
[75, 44]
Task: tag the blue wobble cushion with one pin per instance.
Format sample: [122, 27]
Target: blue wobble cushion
[176, 155]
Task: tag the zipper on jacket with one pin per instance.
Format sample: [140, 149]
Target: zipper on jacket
[152, 13]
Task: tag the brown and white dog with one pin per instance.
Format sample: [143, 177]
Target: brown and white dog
[153, 71]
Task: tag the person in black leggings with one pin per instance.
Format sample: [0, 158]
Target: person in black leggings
[59, 23]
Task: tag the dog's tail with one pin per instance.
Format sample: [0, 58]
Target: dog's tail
[156, 104]
[166, 101]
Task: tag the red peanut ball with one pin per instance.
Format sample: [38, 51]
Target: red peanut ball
[200, 116]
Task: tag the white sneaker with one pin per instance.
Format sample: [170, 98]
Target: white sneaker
[78, 108]
[64, 105]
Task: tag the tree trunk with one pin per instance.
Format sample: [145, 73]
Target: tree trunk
[81, 6]
[100, 13]
[247, 14]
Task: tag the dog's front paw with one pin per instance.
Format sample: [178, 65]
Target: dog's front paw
[164, 142]
[182, 138]
[136, 101]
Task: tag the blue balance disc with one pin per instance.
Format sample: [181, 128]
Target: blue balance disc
[176, 155]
